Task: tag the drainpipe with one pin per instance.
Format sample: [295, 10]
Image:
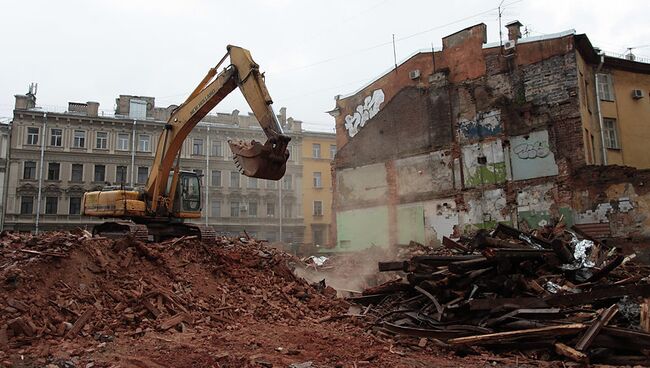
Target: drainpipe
[599, 113]
[6, 181]
[133, 155]
[207, 170]
[40, 174]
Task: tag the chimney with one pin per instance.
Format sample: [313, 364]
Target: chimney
[283, 115]
[24, 102]
[514, 30]
[92, 108]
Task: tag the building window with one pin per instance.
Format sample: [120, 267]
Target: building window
[100, 173]
[216, 208]
[216, 149]
[79, 139]
[26, 205]
[56, 137]
[234, 208]
[122, 142]
[137, 109]
[318, 208]
[252, 209]
[317, 237]
[53, 170]
[144, 143]
[252, 183]
[32, 135]
[290, 149]
[271, 184]
[605, 89]
[75, 205]
[611, 138]
[143, 174]
[332, 150]
[287, 210]
[51, 205]
[120, 174]
[29, 170]
[315, 150]
[216, 178]
[77, 173]
[270, 209]
[317, 180]
[234, 179]
[197, 146]
[286, 182]
[102, 140]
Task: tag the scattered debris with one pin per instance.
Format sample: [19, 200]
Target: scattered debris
[487, 291]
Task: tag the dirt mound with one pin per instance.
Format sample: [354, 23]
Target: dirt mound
[64, 285]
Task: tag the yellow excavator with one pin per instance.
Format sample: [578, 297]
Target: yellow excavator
[171, 196]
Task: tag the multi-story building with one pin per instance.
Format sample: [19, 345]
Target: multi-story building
[318, 151]
[56, 156]
[477, 134]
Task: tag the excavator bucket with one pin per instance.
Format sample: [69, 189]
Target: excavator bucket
[263, 161]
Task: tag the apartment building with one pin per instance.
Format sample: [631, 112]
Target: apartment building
[318, 151]
[56, 156]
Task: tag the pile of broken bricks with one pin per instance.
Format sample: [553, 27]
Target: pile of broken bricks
[551, 294]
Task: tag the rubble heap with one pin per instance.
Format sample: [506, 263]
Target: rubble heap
[70, 286]
[548, 293]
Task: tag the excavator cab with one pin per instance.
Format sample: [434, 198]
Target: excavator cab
[264, 161]
[187, 201]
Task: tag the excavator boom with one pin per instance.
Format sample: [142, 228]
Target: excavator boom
[264, 161]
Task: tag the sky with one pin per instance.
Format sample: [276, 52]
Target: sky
[95, 50]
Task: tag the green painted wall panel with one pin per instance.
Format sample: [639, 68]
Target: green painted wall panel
[410, 224]
[362, 228]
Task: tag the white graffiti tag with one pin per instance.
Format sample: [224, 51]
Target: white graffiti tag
[529, 150]
[364, 112]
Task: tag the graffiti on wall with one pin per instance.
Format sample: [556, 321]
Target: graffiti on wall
[483, 163]
[531, 156]
[486, 124]
[364, 112]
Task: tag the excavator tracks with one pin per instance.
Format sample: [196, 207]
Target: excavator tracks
[119, 229]
[206, 233]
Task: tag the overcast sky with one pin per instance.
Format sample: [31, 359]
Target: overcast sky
[311, 51]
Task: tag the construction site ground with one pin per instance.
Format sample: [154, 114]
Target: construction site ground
[69, 300]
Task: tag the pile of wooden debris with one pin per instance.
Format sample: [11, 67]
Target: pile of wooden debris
[544, 294]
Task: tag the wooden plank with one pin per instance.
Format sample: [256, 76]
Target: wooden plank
[570, 353]
[80, 323]
[645, 315]
[151, 308]
[174, 320]
[603, 318]
[532, 240]
[452, 244]
[393, 266]
[500, 337]
[35, 252]
[606, 269]
[514, 303]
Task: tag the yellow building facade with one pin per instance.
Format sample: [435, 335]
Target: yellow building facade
[615, 108]
[318, 151]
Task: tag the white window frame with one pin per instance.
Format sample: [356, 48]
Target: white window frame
[32, 138]
[103, 140]
[197, 146]
[56, 140]
[316, 150]
[332, 151]
[605, 87]
[314, 208]
[79, 141]
[318, 179]
[144, 145]
[121, 139]
[611, 134]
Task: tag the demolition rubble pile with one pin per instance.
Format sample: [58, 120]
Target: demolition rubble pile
[545, 294]
[64, 286]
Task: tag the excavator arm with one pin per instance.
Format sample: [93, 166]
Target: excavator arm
[265, 161]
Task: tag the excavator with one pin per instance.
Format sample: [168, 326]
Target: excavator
[161, 208]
